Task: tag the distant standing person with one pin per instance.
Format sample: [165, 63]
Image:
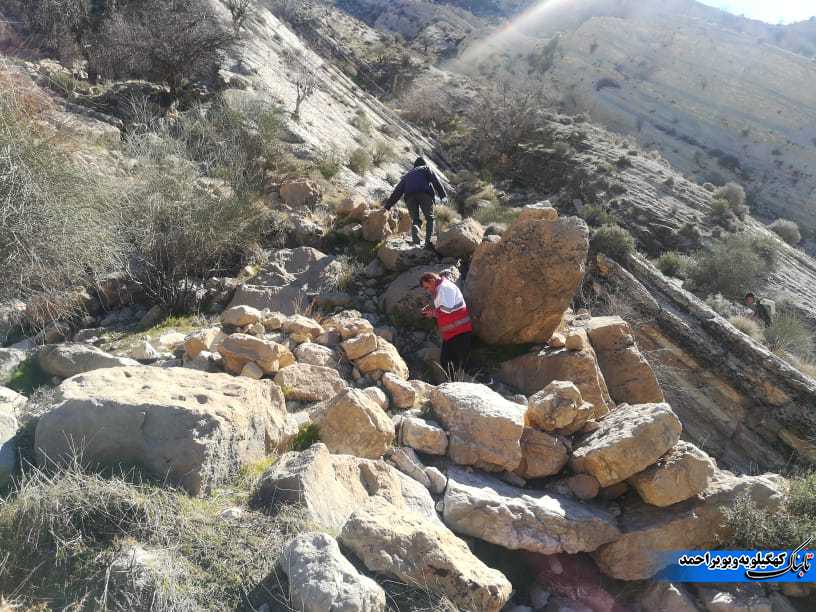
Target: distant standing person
[419, 186]
[452, 319]
[763, 309]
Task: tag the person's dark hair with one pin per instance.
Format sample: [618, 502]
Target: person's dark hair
[430, 277]
[420, 161]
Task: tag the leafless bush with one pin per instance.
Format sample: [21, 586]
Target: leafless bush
[303, 76]
[787, 230]
[241, 11]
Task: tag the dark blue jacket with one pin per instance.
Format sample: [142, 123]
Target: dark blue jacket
[417, 180]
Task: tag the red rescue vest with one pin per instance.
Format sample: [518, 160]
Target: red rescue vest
[452, 324]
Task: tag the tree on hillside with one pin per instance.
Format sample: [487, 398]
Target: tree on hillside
[241, 10]
[303, 76]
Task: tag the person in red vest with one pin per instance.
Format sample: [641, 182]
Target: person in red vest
[452, 318]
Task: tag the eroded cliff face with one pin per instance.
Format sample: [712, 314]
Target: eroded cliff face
[737, 400]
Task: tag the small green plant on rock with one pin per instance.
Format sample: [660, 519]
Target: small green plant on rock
[613, 241]
[674, 263]
[307, 436]
[787, 230]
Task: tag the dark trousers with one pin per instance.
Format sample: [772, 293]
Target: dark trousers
[455, 353]
[425, 203]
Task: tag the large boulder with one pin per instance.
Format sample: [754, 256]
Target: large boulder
[629, 377]
[629, 440]
[10, 360]
[192, 428]
[425, 436]
[66, 360]
[485, 429]
[307, 383]
[542, 454]
[241, 349]
[385, 359]
[558, 406]
[460, 239]
[681, 473]
[519, 519]
[648, 531]
[409, 547]
[288, 279]
[331, 487]
[353, 424]
[532, 372]
[321, 579]
[300, 192]
[380, 224]
[8, 447]
[518, 288]
[405, 298]
[402, 393]
[240, 316]
[399, 254]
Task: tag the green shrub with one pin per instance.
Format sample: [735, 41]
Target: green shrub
[721, 212]
[787, 230]
[329, 163]
[382, 153]
[597, 216]
[613, 241]
[732, 193]
[307, 436]
[28, 377]
[788, 333]
[674, 263]
[785, 528]
[489, 215]
[733, 266]
[359, 161]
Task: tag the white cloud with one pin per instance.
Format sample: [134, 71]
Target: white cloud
[772, 11]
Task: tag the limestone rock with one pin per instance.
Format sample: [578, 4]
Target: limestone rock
[378, 396]
[539, 211]
[485, 429]
[460, 239]
[519, 519]
[557, 341]
[331, 487]
[203, 340]
[66, 360]
[424, 436]
[385, 359]
[558, 406]
[8, 446]
[399, 254]
[300, 192]
[241, 316]
[353, 207]
[629, 440]
[667, 597]
[273, 321]
[405, 298]
[315, 354]
[542, 454]
[379, 225]
[437, 479]
[252, 370]
[408, 547]
[576, 340]
[307, 383]
[584, 486]
[240, 349]
[359, 346]
[681, 473]
[505, 306]
[11, 401]
[407, 462]
[194, 429]
[302, 328]
[348, 324]
[647, 531]
[629, 377]
[532, 372]
[351, 423]
[10, 360]
[144, 351]
[403, 395]
[321, 579]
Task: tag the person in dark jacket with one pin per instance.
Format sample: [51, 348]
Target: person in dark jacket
[419, 186]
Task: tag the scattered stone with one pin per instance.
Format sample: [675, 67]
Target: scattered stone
[378, 396]
[204, 340]
[67, 360]
[331, 487]
[485, 429]
[206, 362]
[408, 547]
[240, 349]
[170, 341]
[194, 429]
[402, 393]
[379, 225]
[648, 531]
[584, 486]
[630, 439]
[353, 424]
[519, 519]
[234, 513]
[532, 372]
[359, 346]
[353, 207]
[398, 255]
[321, 579]
[300, 192]
[315, 354]
[241, 316]
[437, 479]
[540, 211]
[505, 306]
[302, 328]
[542, 454]
[307, 383]
[385, 359]
[252, 370]
[407, 462]
[424, 436]
[558, 406]
[460, 239]
[680, 474]
[576, 340]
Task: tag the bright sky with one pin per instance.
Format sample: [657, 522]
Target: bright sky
[772, 11]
